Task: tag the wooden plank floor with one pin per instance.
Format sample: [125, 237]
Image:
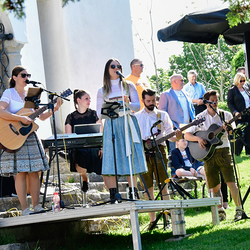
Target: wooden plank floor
[107, 210]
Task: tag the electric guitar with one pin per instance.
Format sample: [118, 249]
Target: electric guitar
[148, 144]
[213, 137]
[13, 134]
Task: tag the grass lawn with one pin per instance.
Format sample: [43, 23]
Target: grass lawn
[204, 235]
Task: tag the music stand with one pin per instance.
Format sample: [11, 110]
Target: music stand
[32, 99]
[110, 110]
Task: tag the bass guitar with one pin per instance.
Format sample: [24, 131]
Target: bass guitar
[13, 134]
[148, 144]
[213, 137]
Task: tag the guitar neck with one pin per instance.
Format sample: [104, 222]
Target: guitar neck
[164, 138]
[34, 115]
[218, 130]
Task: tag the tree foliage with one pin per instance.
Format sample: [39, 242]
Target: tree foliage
[18, 6]
[214, 68]
[239, 12]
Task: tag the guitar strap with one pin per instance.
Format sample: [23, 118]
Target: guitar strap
[159, 125]
[222, 115]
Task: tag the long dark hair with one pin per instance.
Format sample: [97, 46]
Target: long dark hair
[106, 77]
[15, 71]
[78, 93]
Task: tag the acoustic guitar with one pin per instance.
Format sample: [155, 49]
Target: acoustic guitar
[13, 134]
[148, 144]
[213, 137]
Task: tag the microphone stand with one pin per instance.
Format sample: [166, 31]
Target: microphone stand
[173, 184]
[229, 128]
[51, 107]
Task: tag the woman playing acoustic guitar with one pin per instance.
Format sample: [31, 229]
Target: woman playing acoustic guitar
[29, 159]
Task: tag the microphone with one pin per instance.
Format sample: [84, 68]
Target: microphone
[157, 123]
[32, 82]
[208, 102]
[120, 74]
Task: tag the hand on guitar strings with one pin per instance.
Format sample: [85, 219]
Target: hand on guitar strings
[178, 134]
[25, 120]
[202, 142]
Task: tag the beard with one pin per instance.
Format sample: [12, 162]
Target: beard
[150, 107]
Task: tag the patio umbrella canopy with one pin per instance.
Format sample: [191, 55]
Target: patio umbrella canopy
[204, 27]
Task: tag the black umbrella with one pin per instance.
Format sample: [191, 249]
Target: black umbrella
[205, 27]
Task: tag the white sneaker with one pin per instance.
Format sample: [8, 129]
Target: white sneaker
[39, 209]
[222, 214]
[26, 211]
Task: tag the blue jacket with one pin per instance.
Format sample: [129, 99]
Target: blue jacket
[178, 162]
[169, 102]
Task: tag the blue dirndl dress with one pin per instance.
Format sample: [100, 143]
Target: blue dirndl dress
[137, 157]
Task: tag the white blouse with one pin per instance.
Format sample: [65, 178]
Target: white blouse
[15, 103]
[116, 92]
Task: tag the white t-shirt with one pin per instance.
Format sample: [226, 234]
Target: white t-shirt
[15, 103]
[213, 120]
[146, 121]
[185, 158]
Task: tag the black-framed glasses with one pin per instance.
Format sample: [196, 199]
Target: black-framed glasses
[23, 75]
[113, 66]
[242, 80]
[139, 64]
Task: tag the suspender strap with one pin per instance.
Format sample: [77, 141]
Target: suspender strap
[159, 125]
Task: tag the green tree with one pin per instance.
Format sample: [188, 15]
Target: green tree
[212, 65]
[17, 6]
[239, 12]
[238, 60]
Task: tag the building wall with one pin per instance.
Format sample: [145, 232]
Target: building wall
[73, 46]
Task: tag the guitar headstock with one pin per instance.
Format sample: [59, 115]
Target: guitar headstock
[66, 92]
[198, 121]
[245, 111]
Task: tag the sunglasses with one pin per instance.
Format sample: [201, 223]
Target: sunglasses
[112, 66]
[23, 75]
[139, 64]
[242, 80]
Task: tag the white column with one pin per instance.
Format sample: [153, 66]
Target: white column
[13, 51]
[54, 47]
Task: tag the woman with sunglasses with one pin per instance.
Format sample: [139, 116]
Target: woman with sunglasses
[86, 159]
[238, 99]
[26, 162]
[114, 91]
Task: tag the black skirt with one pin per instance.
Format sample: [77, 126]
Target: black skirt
[86, 158]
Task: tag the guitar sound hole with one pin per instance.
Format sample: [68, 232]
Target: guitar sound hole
[210, 136]
[24, 125]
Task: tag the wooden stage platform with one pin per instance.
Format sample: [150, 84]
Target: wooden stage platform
[132, 208]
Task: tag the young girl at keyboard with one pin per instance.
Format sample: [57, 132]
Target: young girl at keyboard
[86, 159]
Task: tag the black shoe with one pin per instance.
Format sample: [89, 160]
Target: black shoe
[85, 186]
[135, 192]
[112, 192]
